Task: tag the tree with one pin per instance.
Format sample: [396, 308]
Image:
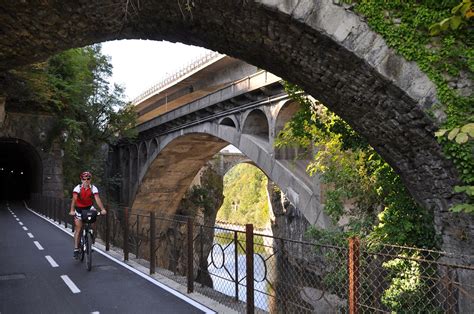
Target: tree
[73, 86]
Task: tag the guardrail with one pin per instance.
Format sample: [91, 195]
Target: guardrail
[240, 269]
[178, 74]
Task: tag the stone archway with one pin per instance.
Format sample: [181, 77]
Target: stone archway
[329, 51]
[21, 169]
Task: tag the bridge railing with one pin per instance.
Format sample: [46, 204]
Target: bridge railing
[255, 272]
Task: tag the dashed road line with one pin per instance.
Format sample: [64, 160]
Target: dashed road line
[30, 235]
[70, 284]
[21, 224]
[24, 228]
[51, 261]
[17, 219]
[38, 245]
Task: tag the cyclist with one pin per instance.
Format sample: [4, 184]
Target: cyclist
[82, 199]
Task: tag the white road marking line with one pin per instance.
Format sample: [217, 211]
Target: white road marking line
[179, 295]
[21, 224]
[17, 219]
[30, 235]
[24, 228]
[51, 261]
[38, 245]
[95, 312]
[70, 284]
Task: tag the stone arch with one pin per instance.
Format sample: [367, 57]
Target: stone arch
[229, 121]
[21, 169]
[323, 47]
[343, 64]
[256, 124]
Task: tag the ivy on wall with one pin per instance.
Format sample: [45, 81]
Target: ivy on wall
[447, 59]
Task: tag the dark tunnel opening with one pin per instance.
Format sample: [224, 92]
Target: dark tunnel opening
[20, 170]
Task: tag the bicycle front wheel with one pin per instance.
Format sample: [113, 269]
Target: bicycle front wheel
[89, 251]
[82, 248]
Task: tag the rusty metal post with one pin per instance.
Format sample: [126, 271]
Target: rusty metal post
[190, 272]
[50, 208]
[152, 243]
[249, 270]
[125, 233]
[236, 259]
[450, 297]
[66, 213]
[107, 230]
[354, 253]
[55, 209]
[137, 241]
[202, 263]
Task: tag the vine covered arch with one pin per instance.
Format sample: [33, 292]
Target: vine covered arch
[324, 48]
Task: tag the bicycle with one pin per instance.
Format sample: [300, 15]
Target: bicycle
[87, 237]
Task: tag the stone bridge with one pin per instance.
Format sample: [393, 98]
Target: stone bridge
[325, 48]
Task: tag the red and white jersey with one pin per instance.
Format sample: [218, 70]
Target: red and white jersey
[85, 196]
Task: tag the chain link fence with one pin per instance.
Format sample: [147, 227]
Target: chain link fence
[255, 272]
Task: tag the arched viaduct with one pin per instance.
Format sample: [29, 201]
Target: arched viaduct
[159, 170]
[326, 49]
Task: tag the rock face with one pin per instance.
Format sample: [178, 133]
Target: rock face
[297, 278]
[202, 201]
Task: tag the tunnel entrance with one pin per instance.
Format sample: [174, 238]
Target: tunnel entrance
[20, 169]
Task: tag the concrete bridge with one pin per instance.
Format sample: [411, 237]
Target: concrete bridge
[173, 146]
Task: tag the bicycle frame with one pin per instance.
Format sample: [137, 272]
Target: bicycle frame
[86, 240]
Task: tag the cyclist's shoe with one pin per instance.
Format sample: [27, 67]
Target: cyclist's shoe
[76, 253]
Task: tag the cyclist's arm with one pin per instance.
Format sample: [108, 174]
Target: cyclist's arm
[99, 202]
[73, 202]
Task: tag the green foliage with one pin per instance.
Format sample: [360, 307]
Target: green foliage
[245, 197]
[461, 14]
[409, 285]
[73, 87]
[224, 238]
[361, 185]
[464, 138]
[444, 58]
[207, 196]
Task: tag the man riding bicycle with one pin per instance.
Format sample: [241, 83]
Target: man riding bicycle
[82, 199]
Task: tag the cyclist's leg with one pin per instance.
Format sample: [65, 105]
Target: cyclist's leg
[93, 226]
[77, 233]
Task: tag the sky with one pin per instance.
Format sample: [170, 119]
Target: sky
[139, 64]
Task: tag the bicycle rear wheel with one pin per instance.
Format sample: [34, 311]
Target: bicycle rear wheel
[89, 251]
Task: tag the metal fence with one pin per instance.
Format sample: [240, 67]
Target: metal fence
[254, 272]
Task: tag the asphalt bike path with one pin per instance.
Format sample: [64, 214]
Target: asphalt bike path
[38, 274]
